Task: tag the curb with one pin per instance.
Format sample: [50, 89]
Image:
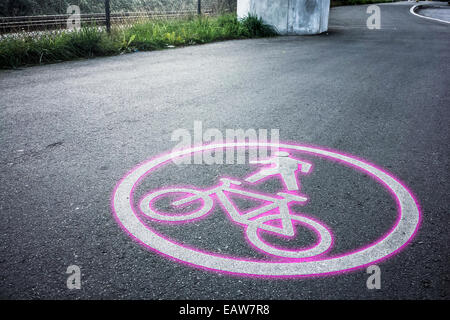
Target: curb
[419, 6]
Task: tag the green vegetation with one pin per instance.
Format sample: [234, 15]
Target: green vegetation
[49, 47]
[45, 47]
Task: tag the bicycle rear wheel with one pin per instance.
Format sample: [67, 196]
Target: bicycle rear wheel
[190, 195]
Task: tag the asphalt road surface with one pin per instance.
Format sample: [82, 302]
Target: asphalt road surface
[441, 13]
[69, 132]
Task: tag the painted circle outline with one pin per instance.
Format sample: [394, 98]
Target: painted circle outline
[398, 237]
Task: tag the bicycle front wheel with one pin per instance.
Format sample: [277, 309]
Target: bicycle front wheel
[324, 243]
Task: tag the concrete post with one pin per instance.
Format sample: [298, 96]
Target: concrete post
[294, 17]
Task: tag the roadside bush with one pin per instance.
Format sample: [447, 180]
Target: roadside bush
[255, 27]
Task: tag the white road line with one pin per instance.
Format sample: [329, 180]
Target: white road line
[413, 8]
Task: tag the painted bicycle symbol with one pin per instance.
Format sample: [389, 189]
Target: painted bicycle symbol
[276, 213]
[273, 216]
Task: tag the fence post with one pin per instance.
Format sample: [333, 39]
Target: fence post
[108, 16]
[199, 6]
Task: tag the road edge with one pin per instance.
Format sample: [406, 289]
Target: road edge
[418, 6]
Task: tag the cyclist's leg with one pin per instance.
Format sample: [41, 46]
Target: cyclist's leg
[290, 180]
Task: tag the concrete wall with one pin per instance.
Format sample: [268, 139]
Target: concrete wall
[289, 16]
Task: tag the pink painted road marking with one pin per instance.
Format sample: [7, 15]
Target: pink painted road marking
[397, 238]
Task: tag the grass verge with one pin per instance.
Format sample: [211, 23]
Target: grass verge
[49, 47]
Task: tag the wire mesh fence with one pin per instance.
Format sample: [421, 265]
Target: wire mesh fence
[14, 8]
[32, 15]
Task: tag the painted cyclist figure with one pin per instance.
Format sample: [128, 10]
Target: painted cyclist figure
[284, 165]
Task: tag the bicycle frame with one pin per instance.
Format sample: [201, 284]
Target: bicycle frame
[253, 221]
[245, 219]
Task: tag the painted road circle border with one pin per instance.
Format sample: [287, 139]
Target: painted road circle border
[403, 231]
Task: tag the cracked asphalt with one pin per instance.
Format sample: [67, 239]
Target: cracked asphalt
[70, 131]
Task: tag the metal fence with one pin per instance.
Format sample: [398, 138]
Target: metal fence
[109, 12]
